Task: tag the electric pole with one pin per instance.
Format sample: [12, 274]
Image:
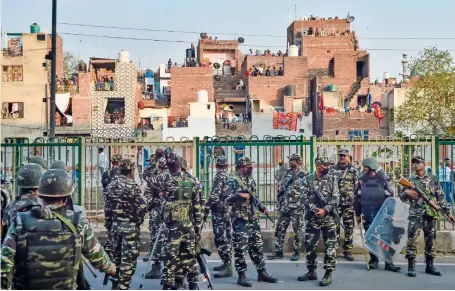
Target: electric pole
[53, 69]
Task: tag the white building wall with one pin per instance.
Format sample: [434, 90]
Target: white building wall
[262, 124]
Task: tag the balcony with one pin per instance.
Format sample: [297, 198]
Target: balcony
[67, 88]
[12, 52]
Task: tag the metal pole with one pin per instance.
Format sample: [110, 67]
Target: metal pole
[53, 69]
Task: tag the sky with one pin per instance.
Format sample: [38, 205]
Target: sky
[373, 19]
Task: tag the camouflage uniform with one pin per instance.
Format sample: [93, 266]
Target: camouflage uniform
[328, 187]
[154, 205]
[291, 210]
[128, 210]
[347, 183]
[183, 218]
[245, 224]
[36, 261]
[280, 172]
[221, 218]
[422, 216]
[107, 178]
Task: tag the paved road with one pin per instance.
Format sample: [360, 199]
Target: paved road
[348, 275]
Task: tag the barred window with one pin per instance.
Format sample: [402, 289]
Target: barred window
[12, 74]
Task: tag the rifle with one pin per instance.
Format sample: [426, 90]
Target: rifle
[255, 203]
[200, 252]
[280, 195]
[152, 252]
[424, 197]
[362, 238]
[333, 212]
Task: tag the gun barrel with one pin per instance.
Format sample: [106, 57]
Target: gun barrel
[106, 279]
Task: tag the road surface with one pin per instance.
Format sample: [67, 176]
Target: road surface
[348, 275]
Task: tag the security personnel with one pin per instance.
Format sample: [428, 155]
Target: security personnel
[154, 206]
[221, 218]
[279, 173]
[318, 219]
[291, 209]
[245, 223]
[375, 187]
[28, 179]
[182, 216]
[44, 246]
[347, 183]
[40, 161]
[422, 216]
[58, 165]
[128, 209]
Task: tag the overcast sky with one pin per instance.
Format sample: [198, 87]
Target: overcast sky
[373, 19]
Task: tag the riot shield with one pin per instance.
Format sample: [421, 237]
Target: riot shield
[386, 236]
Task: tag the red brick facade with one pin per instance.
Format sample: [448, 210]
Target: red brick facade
[82, 102]
[343, 123]
[59, 53]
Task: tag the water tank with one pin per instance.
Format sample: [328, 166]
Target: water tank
[124, 56]
[332, 88]
[82, 67]
[190, 53]
[148, 74]
[258, 52]
[386, 75]
[202, 96]
[34, 28]
[293, 51]
[289, 90]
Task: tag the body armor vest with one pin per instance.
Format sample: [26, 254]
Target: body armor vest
[373, 190]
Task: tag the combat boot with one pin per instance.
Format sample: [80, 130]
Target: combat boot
[348, 256]
[275, 256]
[169, 287]
[327, 279]
[391, 267]
[374, 261]
[146, 258]
[155, 273]
[243, 281]
[225, 273]
[411, 267]
[219, 268]
[295, 256]
[310, 275]
[430, 269]
[264, 277]
[180, 283]
[193, 286]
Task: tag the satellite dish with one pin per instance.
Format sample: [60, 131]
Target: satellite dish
[241, 40]
[216, 66]
[350, 18]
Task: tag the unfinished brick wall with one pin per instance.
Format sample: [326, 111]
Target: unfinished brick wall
[321, 49]
[59, 54]
[82, 102]
[345, 122]
[185, 83]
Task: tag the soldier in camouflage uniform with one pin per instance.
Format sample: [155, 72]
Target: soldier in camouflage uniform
[28, 179]
[154, 205]
[245, 223]
[291, 209]
[279, 173]
[38, 262]
[347, 183]
[221, 218]
[422, 216]
[319, 220]
[106, 178]
[183, 218]
[128, 210]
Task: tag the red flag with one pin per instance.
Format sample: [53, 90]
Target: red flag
[320, 101]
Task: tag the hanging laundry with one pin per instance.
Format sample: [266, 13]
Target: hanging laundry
[285, 121]
[378, 112]
[320, 101]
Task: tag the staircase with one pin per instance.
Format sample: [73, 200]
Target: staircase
[225, 88]
[353, 90]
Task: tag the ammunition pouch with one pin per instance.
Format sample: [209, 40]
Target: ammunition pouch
[177, 211]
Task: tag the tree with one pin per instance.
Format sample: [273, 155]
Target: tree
[429, 107]
[70, 63]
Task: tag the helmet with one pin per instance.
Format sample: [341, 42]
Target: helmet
[295, 157]
[40, 161]
[116, 158]
[168, 151]
[58, 165]
[29, 176]
[371, 163]
[183, 163]
[221, 161]
[170, 155]
[162, 163]
[126, 164]
[55, 183]
[244, 162]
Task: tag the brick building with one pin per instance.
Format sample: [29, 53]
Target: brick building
[26, 82]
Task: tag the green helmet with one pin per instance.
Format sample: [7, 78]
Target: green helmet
[371, 163]
[183, 163]
[29, 177]
[58, 165]
[40, 161]
[55, 183]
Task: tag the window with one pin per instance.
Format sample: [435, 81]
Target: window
[358, 133]
[41, 37]
[115, 111]
[12, 74]
[361, 101]
[208, 106]
[12, 110]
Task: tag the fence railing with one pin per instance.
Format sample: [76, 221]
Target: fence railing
[81, 156]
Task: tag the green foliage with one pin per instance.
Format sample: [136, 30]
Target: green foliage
[429, 107]
[70, 63]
